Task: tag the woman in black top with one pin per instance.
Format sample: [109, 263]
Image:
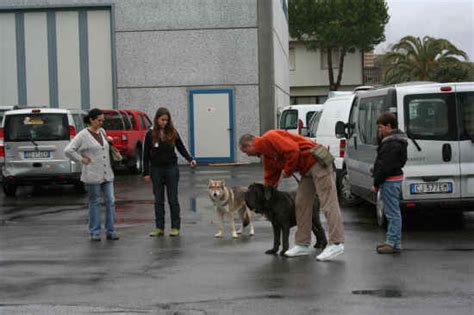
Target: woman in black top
[160, 166]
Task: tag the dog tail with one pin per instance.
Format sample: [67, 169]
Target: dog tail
[246, 218]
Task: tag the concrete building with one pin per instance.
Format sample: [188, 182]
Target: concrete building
[220, 66]
[309, 83]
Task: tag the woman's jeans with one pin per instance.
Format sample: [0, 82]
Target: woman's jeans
[390, 191]
[107, 191]
[166, 177]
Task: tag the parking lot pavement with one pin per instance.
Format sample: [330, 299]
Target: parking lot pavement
[48, 265]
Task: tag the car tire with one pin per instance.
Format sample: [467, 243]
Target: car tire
[136, 167]
[346, 197]
[80, 187]
[9, 189]
[379, 212]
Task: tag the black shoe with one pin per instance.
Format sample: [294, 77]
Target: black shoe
[113, 237]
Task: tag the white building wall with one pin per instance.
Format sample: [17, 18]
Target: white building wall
[8, 69]
[309, 71]
[281, 55]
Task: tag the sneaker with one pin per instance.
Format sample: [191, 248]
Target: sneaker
[157, 232]
[95, 238]
[331, 252]
[174, 232]
[298, 250]
[387, 249]
[113, 236]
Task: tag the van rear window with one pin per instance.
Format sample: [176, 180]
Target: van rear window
[36, 127]
[431, 116]
[289, 119]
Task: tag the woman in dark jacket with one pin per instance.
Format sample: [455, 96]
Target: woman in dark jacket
[160, 166]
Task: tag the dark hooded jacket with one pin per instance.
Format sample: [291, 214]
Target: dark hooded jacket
[391, 156]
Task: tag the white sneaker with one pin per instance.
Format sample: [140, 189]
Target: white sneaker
[331, 252]
[298, 250]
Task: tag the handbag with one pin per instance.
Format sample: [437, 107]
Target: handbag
[114, 153]
[322, 154]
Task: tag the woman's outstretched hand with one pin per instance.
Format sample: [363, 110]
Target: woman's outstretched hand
[193, 163]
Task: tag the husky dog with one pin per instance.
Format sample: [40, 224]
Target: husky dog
[230, 201]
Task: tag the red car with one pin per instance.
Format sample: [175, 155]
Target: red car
[128, 127]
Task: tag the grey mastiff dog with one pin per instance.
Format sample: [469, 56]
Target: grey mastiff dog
[279, 208]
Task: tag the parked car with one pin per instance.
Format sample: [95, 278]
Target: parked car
[128, 127]
[322, 128]
[3, 110]
[439, 121]
[34, 140]
[295, 118]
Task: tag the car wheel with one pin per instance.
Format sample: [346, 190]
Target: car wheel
[346, 196]
[136, 167]
[380, 213]
[80, 187]
[9, 189]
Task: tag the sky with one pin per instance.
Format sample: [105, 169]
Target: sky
[449, 19]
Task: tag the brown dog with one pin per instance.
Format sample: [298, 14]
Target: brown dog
[230, 201]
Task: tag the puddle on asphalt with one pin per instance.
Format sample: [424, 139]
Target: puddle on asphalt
[385, 293]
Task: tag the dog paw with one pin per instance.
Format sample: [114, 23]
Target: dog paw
[218, 235]
[271, 252]
[235, 235]
[239, 232]
[251, 233]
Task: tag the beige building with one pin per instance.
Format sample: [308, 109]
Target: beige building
[309, 80]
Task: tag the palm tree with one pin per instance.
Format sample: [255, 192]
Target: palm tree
[415, 59]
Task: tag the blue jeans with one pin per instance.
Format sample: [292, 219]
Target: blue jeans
[166, 177]
[95, 191]
[390, 191]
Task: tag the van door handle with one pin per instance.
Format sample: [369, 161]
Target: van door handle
[447, 152]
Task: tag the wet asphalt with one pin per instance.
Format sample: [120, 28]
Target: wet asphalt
[49, 266]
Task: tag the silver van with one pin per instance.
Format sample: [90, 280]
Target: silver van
[439, 121]
[295, 118]
[34, 140]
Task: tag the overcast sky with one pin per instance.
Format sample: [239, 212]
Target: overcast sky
[449, 19]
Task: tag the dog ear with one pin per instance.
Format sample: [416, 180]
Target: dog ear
[268, 192]
[209, 182]
[223, 182]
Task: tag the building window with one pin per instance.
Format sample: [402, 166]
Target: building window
[335, 59]
[292, 59]
[284, 5]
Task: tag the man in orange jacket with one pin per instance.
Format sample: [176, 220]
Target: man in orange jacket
[285, 153]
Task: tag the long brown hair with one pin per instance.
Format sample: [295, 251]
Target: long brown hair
[169, 134]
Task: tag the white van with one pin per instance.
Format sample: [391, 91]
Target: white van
[34, 140]
[295, 118]
[439, 121]
[322, 129]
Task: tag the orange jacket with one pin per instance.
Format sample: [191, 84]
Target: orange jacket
[286, 151]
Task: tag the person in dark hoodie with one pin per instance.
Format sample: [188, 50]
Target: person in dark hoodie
[388, 177]
[161, 168]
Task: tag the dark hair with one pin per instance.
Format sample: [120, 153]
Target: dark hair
[170, 134]
[92, 114]
[388, 118]
[246, 138]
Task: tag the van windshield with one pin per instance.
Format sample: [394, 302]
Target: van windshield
[36, 127]
[431, 116]
[289, 119]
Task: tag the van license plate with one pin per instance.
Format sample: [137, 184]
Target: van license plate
[37, 154]
[431, 188]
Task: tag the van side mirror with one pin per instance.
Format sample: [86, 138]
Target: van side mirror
[341, 128]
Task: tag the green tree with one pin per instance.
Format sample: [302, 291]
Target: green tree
[428, 58]
[338, 25]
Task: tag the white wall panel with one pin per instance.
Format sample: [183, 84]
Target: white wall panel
[69, 77]
[36, 59]
[100, 59]
[8, 70]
